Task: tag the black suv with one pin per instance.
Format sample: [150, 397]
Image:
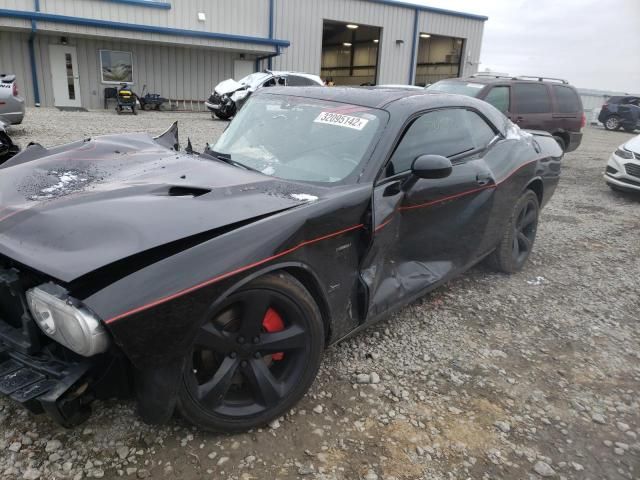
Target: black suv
[621, 112]
[535, 103]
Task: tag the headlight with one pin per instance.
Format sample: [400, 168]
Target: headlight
[626, 154]
[67, 321]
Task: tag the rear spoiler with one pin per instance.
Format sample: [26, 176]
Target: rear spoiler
[7, 77]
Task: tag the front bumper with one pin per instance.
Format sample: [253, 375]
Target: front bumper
[13, 110]
[42, 383]
[623, 173]
[44, 376]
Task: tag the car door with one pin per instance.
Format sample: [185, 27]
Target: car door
[531, 106]
[424, 231]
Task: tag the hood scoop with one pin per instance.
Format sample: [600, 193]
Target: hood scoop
[187, 191]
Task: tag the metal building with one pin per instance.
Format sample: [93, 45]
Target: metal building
[67, 52]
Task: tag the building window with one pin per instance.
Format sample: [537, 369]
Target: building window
[116, 66]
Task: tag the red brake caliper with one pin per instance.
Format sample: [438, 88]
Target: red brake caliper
[272, 322]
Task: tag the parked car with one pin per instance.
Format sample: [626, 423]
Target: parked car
[7, 148]
[537, 103]
[11, 104]
[214, 281]
[623, 168]
[229, 95]
[621, 112]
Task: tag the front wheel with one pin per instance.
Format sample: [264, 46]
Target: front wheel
[518, 238]
[254, 358]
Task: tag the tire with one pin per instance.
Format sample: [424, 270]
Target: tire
[134, 111]
[560, 141]
[511, 255]
[147, 107]
[612, 122]
[233, 384]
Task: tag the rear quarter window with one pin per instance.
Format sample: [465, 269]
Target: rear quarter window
[567, 100]
[531, 98]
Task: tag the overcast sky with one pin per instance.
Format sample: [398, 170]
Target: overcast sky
[591, 43]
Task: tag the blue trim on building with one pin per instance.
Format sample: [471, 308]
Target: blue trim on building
[414, 45]
[91, 22]
[144, 3]
[32, 57]
[424, 8]
[271, 29]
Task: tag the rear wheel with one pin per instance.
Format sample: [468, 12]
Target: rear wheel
[254, 358]
[147, 106]
[612, 122]
[517, 241]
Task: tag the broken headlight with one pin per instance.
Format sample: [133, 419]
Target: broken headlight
[67, 321]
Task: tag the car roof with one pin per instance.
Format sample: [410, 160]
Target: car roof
[397, 101]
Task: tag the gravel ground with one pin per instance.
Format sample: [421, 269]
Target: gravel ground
[492, 376]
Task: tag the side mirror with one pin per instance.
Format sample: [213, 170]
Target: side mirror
[431, 167]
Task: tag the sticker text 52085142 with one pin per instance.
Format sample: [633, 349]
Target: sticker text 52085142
[348, 121]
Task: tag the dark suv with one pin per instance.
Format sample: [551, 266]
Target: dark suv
[621, 112]
[535, 103]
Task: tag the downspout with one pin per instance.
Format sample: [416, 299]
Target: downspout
[271, 28]
[32, 57]
[414, 44]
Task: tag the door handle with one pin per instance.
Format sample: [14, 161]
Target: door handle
[483, 178]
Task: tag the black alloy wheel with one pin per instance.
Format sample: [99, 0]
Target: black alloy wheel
[524, 232]
[517, 241]
[254, 358]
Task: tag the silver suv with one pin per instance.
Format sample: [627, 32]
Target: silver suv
[11, 104]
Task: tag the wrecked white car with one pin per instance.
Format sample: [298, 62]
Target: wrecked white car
[229, 95]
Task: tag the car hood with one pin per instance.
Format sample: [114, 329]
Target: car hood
[633, 144]
[70, 210]
[228, 86]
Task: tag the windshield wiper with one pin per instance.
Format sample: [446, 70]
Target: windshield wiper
[226, 158]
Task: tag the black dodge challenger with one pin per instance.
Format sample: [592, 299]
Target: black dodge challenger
[210, 283]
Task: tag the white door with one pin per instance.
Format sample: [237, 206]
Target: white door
[242, 68]
[64, 75]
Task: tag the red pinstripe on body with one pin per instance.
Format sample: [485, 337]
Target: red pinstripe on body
[231, 273]
[452, 197]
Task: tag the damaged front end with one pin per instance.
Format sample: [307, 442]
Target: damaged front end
[7, 148]
[39, 368]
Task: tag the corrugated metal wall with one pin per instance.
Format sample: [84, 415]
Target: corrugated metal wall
[300, 22]
[189, 73]
[175, 72]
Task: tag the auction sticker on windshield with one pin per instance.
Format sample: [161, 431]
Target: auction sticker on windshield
[340, 120]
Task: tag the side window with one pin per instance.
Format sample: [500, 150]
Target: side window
[296, 81]
[270, 83]
[443, 132]
[566, 99]
[531, 98]
[499, 98]
[479, 129]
